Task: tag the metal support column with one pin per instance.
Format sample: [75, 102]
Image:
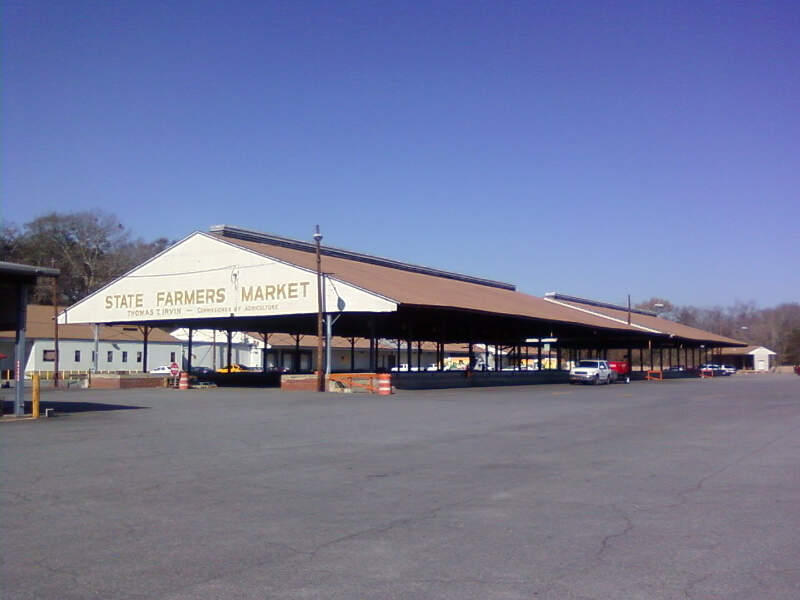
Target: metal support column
[539, 355]
[373, 347]
[145, 335]
[189, 356]
[320, 310]
[264, 351]
[328, 336]
[230, 347]
[19, 351]
[96, 360]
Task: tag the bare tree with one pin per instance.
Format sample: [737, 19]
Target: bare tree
[90, 249]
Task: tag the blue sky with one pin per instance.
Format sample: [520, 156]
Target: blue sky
[592, 148]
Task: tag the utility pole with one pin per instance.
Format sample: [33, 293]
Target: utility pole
[629, 309]
[320, 373]
[55, 336]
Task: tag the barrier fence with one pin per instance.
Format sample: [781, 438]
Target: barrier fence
[7, 375]
[655, 376]
[374, 383]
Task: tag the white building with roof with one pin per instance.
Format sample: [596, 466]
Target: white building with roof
[117, 349]
[749, 358]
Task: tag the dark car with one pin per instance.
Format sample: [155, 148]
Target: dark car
[202, 372]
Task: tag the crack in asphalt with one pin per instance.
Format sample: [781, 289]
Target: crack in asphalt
[696, 488]
[604, 545]
[688, 589]
[431, 514]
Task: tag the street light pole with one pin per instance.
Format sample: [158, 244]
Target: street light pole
[320, 373]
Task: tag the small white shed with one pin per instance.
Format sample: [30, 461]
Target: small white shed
[749, 358]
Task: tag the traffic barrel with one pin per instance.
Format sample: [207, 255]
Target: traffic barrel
[184, 383]
[384, 384]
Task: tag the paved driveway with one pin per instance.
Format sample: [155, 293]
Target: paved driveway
[673, 490]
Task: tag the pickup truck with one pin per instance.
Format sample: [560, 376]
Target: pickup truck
[592, 371]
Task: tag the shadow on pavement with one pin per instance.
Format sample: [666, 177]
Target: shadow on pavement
[69, 407]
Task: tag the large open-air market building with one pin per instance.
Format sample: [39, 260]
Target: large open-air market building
[379, 313]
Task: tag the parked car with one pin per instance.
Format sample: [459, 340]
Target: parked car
[404, 367]
[729, 369]
[201, 372]
[162, 370]
[675, 369]
[714, 369]
[592, 371]
[234, 368]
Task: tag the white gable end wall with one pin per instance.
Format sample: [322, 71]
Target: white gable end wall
[762, 359]
[203, 277]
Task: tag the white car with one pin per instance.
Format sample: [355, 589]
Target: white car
[162, 370]
[592, 371]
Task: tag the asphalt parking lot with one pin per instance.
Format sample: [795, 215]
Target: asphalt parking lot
[671, 490]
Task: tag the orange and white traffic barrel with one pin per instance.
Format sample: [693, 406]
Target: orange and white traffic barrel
[384, 384]
[184, 383]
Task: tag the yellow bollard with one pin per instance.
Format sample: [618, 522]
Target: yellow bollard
[36, 392]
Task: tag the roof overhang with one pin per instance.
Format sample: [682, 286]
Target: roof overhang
[645, 321]
[14, 279]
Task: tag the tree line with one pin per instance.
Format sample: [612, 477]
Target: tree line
[89, 248]
[93, 248]
[775, 328]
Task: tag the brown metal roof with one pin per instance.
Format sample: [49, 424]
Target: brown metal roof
[648, 321]
[40, 325]
[740, 351]
[421, 289]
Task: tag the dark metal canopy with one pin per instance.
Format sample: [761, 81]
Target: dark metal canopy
[15, 280]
